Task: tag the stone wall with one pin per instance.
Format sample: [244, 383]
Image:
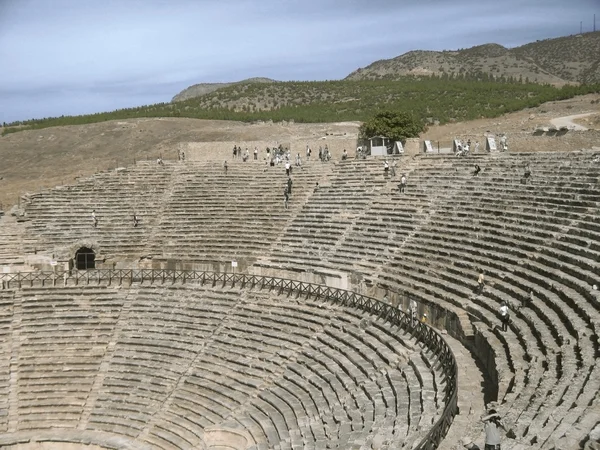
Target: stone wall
[412, 146]
[224, 149]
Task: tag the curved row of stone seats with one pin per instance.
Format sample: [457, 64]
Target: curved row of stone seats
[54, 359]
[192, 205]
[322, 223]
[559, 324]
[6, 324]
[61, 217]
[259, 413]
[164, 365]
[214, 215]
[11, 242]
[528, 339]
[540, 237]
[570, 320]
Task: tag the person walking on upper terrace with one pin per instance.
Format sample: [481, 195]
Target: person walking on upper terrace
[402, 184]
[255, 153]
[94, 218]
[235, 151]
[344, 155]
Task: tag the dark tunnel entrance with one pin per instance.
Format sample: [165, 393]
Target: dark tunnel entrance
[85, 259]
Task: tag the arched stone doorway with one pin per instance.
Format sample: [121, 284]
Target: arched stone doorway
[85, 259]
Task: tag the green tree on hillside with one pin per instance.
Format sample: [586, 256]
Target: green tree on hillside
[398, 126]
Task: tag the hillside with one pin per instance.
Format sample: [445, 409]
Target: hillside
[34, 159]
[564, 60]
[430, 99]
[197, 90]
[573, 58]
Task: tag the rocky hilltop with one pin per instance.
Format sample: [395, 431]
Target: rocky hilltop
[564, 60]
[200, 89]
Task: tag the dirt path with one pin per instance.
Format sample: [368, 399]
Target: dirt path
[567, 121]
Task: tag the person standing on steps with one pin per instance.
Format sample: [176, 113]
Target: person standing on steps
[526, 174]
[94, 218]
[135, 220]
[480, 282]
[289, 185]
[492, 425]
[529, 300]
[504, 316]
[413, 311]
[225, 167]
[287, 168]
[286, 198]
[402, 184]
[477, 170]
[386, 168]
[255, 153]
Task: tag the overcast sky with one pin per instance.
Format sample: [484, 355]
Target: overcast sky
[62, 57]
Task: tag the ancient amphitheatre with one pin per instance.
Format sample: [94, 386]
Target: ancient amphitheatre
[165, 345]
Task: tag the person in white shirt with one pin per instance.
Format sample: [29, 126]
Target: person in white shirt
[402, 184]
[492, 425]
[504, 316]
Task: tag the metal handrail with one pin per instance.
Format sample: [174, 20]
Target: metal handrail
[421, 331]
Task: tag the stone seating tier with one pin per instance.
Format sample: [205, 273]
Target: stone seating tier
[429, 242]
[161, 365]
[432, 241]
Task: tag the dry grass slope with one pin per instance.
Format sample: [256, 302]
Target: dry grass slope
[36, 159]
